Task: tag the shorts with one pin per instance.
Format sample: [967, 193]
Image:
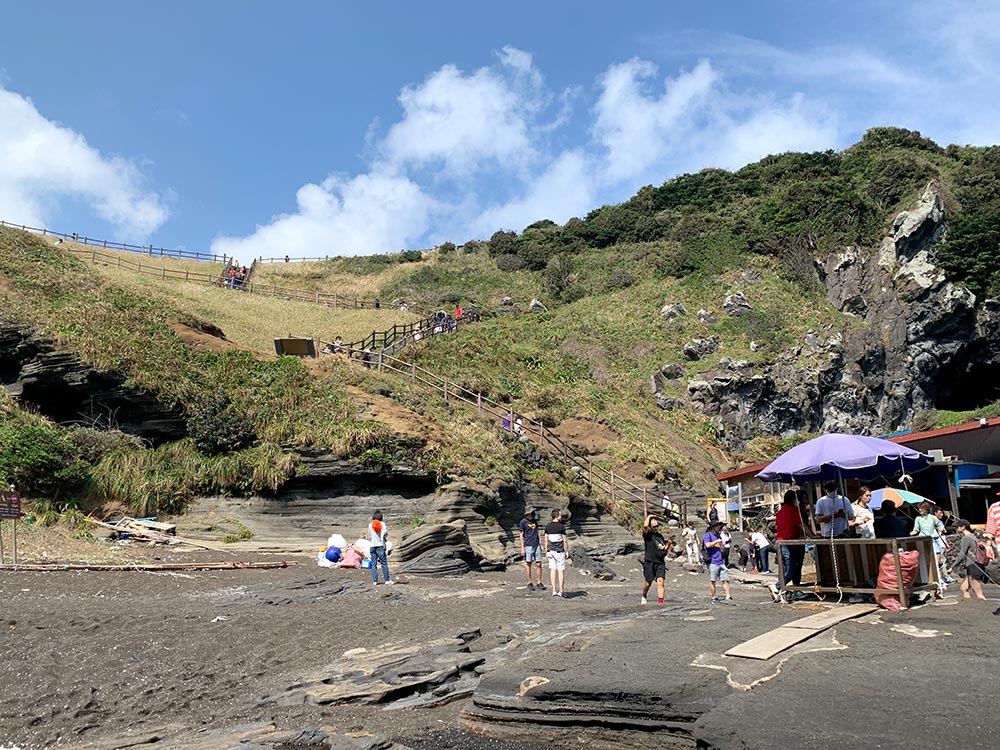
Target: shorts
[557, 560]
[975, 571]
[532, 554]
[718, 573]
[653, 571]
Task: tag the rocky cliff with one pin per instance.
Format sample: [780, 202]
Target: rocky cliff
[67, 390]
[920, 343]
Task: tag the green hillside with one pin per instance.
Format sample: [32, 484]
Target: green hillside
[603, 279]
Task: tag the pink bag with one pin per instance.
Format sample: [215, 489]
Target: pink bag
[351, 559]
[909, 564]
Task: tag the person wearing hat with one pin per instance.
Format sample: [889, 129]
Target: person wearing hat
[712, 542]
[531, 548]
[974, 572]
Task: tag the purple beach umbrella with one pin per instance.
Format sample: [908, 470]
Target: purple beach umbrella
[837, 455]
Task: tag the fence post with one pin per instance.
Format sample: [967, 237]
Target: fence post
[380, 355]
[645, 503]
[446, 390]
[479, 401]
[612, 486]
[93, 256]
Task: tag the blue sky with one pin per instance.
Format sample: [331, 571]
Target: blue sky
[314, 128]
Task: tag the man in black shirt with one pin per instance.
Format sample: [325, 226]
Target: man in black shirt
[556, 548]
[531, 549]
[654, 568]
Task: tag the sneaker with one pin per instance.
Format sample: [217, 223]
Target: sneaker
[728, 599]
[856, 599]
[949, 579]
[389, 583]
[374, 583]
[642, 601]
[531, 587]
[540, 587]
[562, 594]
[798, 595]
[774, 591]
[715, 600]
[555, 593]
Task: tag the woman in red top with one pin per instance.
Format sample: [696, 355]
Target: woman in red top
[789, 523]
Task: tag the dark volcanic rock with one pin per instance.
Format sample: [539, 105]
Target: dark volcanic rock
[736, 304]
[924, 344]
[68, 390]
[700, 348]
[438, 549]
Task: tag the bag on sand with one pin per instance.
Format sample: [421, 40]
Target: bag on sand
[909, 564]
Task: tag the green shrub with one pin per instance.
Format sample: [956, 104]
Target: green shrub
[411, 256]
[217, 426]
[446, 249]
[509, 262]
[39, 459]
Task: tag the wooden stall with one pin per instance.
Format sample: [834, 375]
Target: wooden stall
[851, 565]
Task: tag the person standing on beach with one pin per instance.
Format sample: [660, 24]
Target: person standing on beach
[531, 548]
[975, 572]
[716, 569]
[690, 545]
[556, 549]
[378, 533]
[654, 566]
[833, 512]
[789, 526]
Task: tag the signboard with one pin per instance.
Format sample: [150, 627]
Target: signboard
[10, 505]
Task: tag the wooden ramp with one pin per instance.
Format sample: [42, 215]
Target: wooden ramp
[775, 641]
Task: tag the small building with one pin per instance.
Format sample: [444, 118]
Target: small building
[964, 477]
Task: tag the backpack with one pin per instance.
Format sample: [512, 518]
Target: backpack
[982, 555]
[706, 554]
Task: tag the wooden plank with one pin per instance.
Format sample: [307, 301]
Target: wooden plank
[829, 618]
[763, 647]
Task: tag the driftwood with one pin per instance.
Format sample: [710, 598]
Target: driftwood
[126, 526]
[151, 566]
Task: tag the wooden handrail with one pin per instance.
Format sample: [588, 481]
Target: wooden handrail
[142, 249]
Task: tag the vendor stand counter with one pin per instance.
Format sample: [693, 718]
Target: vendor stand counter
[857, 562]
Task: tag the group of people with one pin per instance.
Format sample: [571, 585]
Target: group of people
[550, 543]
[236, 276]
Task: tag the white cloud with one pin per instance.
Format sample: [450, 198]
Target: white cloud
[565, 189]
[43, 162]
[696, 122]
[460, 121]
[367, 214]
[637, 128]
[456, 129]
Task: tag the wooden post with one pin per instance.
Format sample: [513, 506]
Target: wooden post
[612, 486]
[952, 494]
[479, 401]
[14, 535]
[645, 503]
[904, 601]
[93, 256]
[413, 372]
[380, 369]
[446, 390]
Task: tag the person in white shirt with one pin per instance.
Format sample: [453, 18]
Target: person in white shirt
[763, 551]
[690, 544]
[864, 519]
[833, 512]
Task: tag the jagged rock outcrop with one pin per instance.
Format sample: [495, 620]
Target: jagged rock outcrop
[921, 343]
[736, 304]
[441, 549]
[704, 316]
[68, 390]
[701, 348]
[673, 310]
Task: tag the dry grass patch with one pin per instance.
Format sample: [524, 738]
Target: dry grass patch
[254, 321]
[330, 277]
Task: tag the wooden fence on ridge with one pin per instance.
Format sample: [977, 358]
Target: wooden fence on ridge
[329, 299]
[160, 252]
